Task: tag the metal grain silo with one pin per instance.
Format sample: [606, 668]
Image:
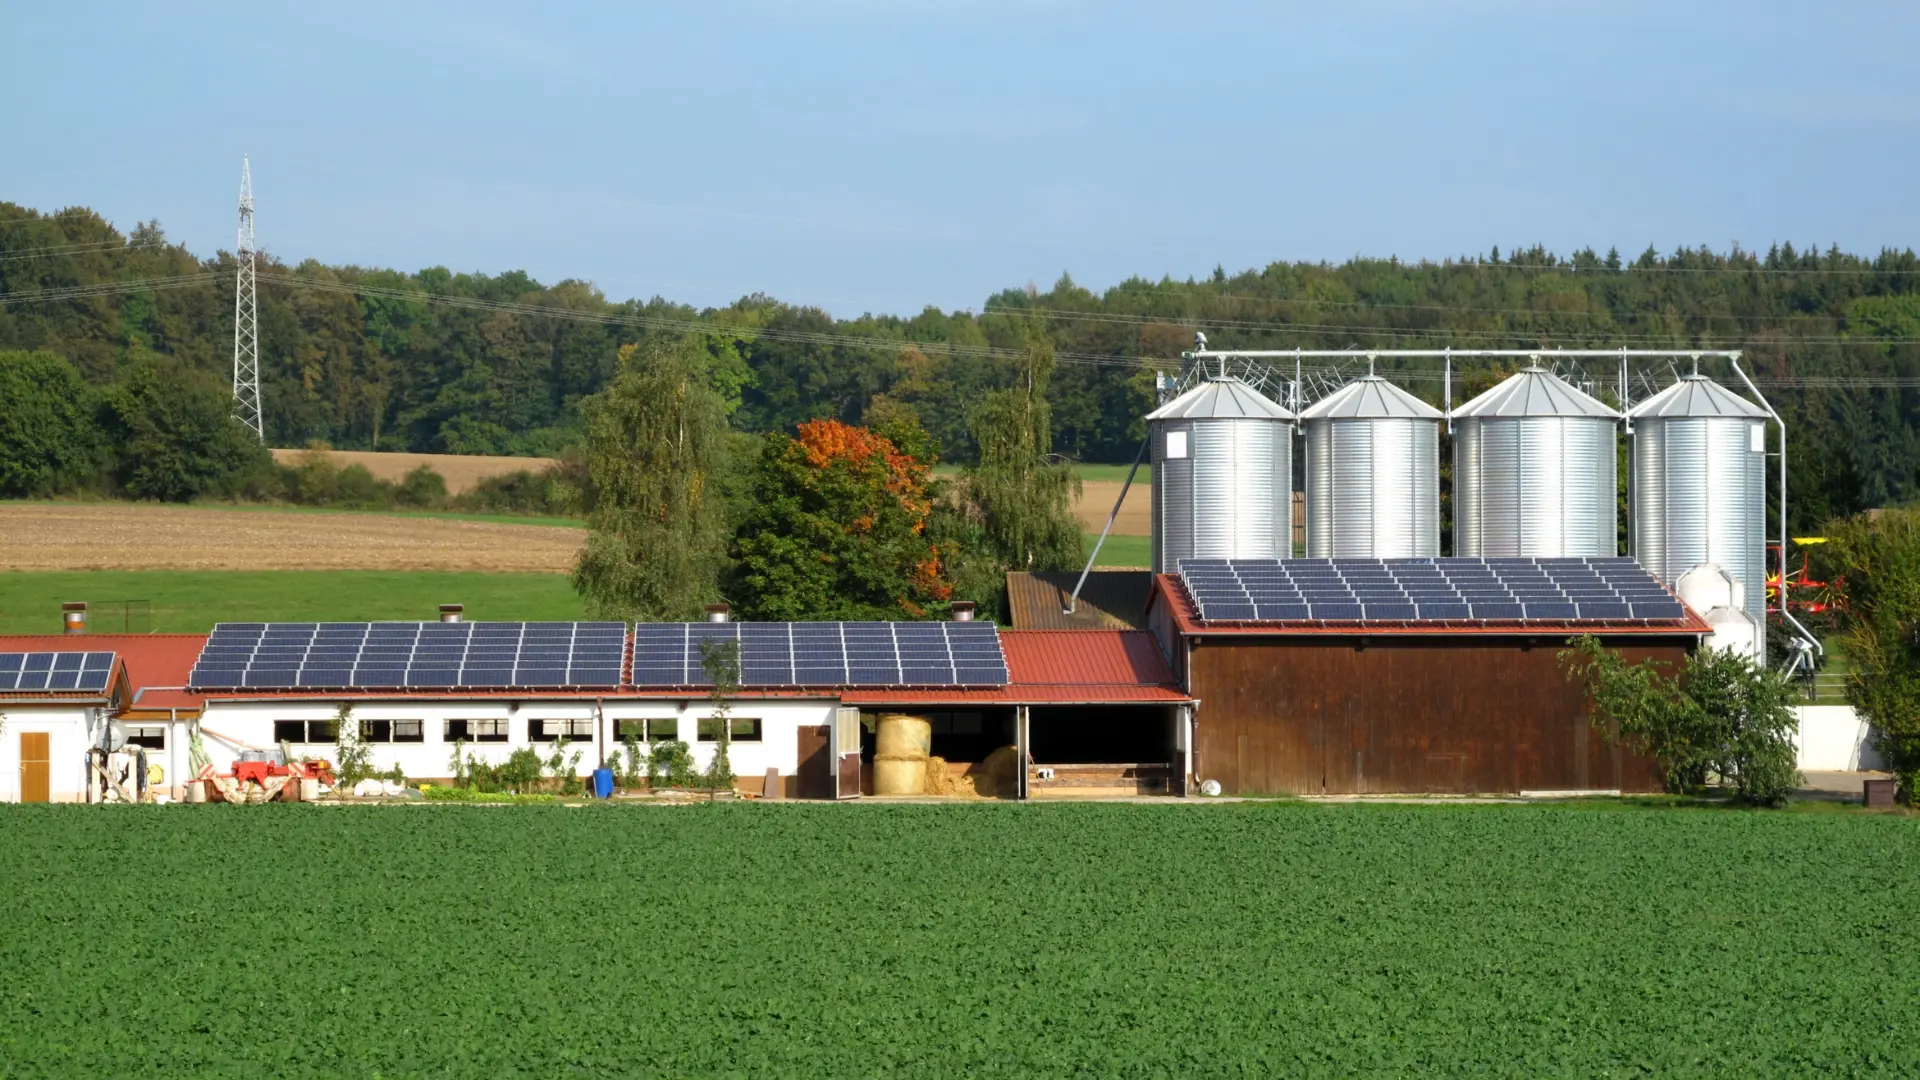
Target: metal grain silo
[1535, 471]
[1699, 486]
[1373, 473]
[1222, 475]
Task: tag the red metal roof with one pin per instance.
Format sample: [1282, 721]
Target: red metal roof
[1168, 590]
[1044, 666]
[1084, 667]
[155, 666]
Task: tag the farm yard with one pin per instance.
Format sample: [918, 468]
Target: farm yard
[998, 940]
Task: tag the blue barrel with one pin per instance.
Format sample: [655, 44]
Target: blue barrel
[603, 783]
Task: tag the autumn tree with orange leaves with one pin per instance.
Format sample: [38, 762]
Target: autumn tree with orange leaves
[839, 528]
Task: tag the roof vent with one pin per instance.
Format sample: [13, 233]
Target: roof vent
[963, 611]
[74, 617]
[719, 613]
[452, 612]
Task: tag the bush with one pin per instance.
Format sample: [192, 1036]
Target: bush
[1876, 565]
[1719, 716]
[670, 764]
[422, 489]
[175, 438]
[49, 440]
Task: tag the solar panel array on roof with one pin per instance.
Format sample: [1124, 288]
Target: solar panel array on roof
[55, 670]
[396, 655]
[824, 653]
[1427, 590]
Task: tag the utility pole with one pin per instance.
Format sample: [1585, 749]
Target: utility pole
[246, 316]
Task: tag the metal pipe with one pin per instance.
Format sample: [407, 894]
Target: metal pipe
[1782, 424]
[1074, 600]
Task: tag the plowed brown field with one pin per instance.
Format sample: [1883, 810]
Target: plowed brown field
[37, 536]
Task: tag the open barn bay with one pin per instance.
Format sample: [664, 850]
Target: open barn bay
[1248, 940]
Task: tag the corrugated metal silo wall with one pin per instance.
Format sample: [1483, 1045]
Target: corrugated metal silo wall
[1535, 485]
[1231, 497]
[1373, 488]
[1699, 496]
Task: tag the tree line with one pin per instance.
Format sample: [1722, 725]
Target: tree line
[436, 361]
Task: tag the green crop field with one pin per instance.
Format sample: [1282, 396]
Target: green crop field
[998, 940]
[1123, 550]
[191, 601]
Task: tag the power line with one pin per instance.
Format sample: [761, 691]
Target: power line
[57, 250]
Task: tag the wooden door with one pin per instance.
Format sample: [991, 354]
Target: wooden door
[815, 779]
[36, 767]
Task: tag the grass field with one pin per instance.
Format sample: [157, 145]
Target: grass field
[1095, 940]
[191, 601]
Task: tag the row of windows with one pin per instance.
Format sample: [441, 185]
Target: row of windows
[744, 729]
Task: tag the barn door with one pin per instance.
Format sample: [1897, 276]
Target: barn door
[846, 753]
[815, 774]
[36, 767]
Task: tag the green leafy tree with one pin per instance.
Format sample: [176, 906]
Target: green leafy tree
[656, 447]
[1875, 562]
[175, 435]
[353, 757]
[837, 529]
[1023, 500]
[49, 439]
[1717, 716]
[720, 659]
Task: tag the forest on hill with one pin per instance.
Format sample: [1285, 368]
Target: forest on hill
[437, 361]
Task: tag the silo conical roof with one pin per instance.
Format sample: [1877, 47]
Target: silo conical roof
[1221, 399]
[1370, 398]
[1696, 395]
[1535, 391]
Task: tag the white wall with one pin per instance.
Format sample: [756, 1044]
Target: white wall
[224, 723]
[1833, 738]
[67, 745]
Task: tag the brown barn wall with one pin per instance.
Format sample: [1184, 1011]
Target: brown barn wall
[1310, 716]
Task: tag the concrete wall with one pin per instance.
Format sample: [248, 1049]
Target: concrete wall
[67, 744]
[226, 726]
[1833, 738]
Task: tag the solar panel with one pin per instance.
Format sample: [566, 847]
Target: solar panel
[825, 654]
[55, 670]
[393, 656]
[1508, 589]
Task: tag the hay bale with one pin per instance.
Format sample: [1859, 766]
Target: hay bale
[994, 777]
[899, 775]
[902, 736]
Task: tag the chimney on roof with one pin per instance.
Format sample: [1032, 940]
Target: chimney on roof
[452, 612]
[74, 616]
[719, 613]
[963, 611]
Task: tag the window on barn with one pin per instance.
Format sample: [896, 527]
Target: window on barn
[153, 738]
[745, 729]
[573, 729]
[304, 731]
[492, 730]
[651, 729]
[392, 731]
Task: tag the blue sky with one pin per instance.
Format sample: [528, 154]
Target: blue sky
[881, 156]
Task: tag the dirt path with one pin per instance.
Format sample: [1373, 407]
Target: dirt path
[140, 537]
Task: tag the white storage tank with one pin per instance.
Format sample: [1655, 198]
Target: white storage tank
[1699, 487]
[1222, 475]
[1535, 471]
[1373, 473]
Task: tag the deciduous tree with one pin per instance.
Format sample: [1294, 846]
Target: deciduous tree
[656, 444]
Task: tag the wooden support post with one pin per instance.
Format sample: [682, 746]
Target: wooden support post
[1021, 743]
